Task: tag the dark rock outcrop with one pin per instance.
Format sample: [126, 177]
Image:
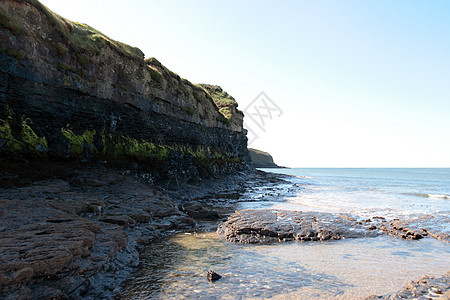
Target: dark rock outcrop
[200, 212]
[213, 276]
[77, 236]
[261, 159]
[413, 228]
[401, 230]
[69, 92]
[265, 226]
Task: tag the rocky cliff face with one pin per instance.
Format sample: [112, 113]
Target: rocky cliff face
[262, 159]
[69, 92]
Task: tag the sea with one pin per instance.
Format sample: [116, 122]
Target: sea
[175, 268]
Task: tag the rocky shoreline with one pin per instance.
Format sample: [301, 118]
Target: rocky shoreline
[253, 226]
[267, 225]
[75, 230]
[256, 226]
[77, 234]
[427, 287]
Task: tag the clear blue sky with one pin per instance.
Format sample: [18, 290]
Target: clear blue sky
[360, 83]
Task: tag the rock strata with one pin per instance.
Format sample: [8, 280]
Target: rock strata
[401, 229]
[265, 226]
[413, 228]
[68, 92]
[77, 236]
[200, 212]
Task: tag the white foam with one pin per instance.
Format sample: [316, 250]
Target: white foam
[437, 196]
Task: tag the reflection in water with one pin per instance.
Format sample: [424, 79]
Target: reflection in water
[176, 268]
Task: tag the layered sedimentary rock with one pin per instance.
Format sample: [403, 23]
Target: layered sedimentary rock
[266, 225]
[77, 236]
[68, 91]
[262, 226]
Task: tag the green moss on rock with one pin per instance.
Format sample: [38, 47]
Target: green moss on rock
[118, 146]
[32, 139]
[22, 139]
[78, 141]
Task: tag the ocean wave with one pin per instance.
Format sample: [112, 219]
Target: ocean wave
[432, 196]
[436, 196]
[297, 204]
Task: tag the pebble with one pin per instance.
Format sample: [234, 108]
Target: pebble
[213, 276]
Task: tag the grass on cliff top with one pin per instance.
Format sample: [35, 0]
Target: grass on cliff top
[10, 23]
[202, 92]
[260, 157]
[84, 38]
[223, 101]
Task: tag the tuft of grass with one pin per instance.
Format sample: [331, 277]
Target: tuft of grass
[83, 38]
[226, 112]
[221, 99]
[10, 23]
[202, 153]
[156, 76]
[62, 50]
[153, 61]
[64, 66]
[189, 110]
[82, 59]
[19, 54]
[197, 96]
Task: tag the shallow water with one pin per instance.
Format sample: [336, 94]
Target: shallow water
[347, 269]
[176, 267]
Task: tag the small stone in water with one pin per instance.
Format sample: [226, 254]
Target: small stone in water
[213, 276]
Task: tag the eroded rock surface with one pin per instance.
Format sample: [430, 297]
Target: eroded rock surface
[413, 228]
[427, 287]
[401, 229]
[263, 226]
[77, 236]
[68, 91]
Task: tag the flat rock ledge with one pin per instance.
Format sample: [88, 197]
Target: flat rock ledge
[427, 287]
[78, 237]
[267, 226]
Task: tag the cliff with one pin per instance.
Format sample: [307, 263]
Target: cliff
[68, 92]
[262, 159]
